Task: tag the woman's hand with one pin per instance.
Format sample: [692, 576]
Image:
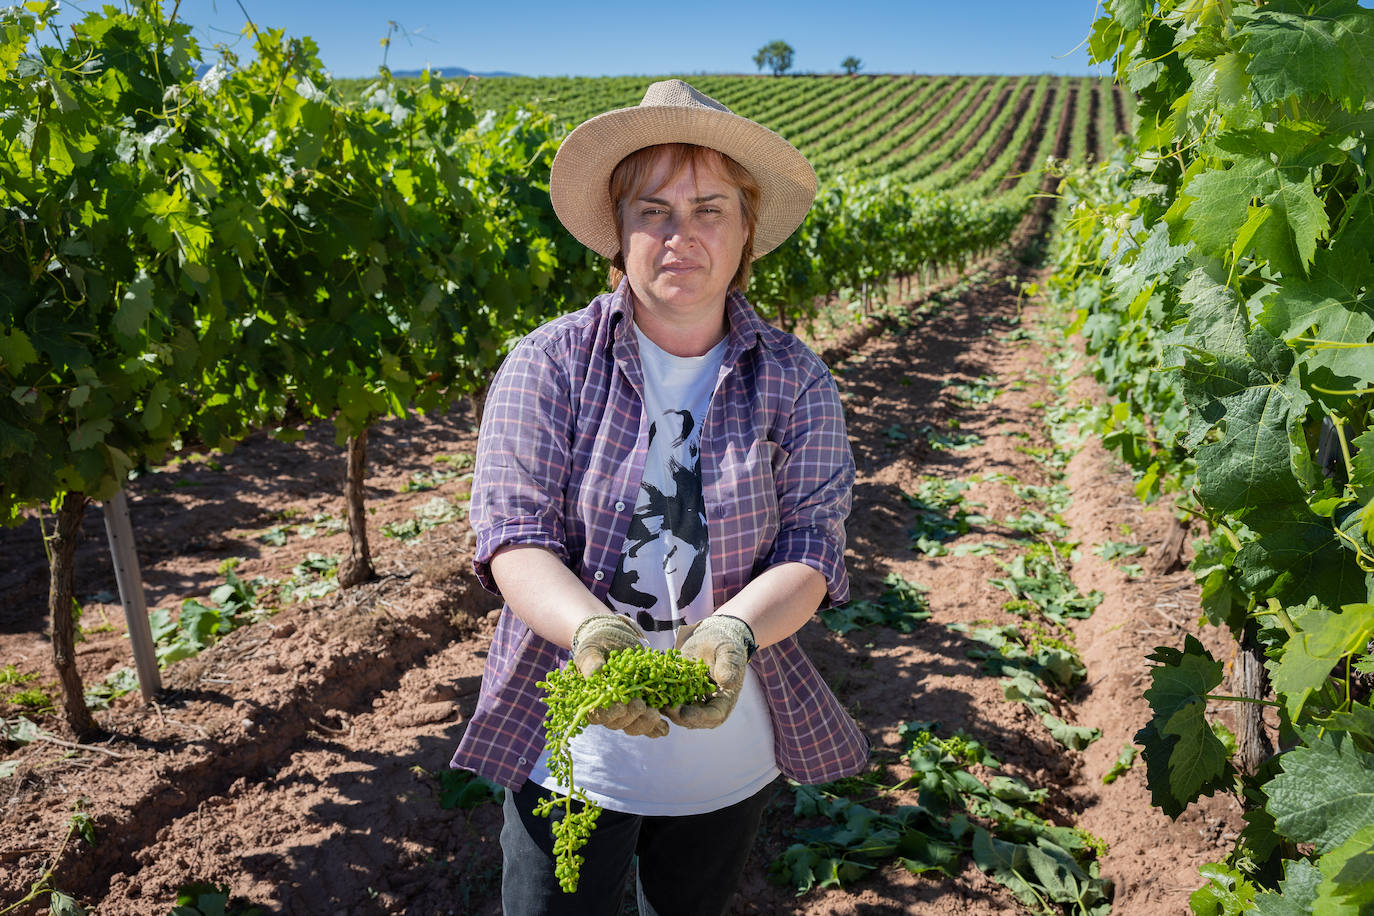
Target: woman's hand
[725, 644]
[593, 641]
[598, 636]
[550, 600]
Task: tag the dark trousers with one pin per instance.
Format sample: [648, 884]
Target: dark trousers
[688, 866]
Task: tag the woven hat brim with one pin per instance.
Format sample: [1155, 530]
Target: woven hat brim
[580, 181]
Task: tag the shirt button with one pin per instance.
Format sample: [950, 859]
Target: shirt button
[598, 575]
[619, 506]
[523, 761]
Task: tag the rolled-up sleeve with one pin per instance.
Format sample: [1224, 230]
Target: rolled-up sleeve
[815, 486]
[523, 458]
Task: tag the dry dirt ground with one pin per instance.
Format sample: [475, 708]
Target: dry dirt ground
[299, 760]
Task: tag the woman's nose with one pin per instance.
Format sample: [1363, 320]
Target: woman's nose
[679, 232]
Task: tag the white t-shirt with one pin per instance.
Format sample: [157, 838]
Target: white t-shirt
[663, 581]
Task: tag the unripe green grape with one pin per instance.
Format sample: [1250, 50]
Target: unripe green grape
[660, 679]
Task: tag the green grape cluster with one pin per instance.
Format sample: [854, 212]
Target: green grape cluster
[660, 679]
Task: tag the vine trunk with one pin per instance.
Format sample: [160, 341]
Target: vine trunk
[61, 601]
[357, 567]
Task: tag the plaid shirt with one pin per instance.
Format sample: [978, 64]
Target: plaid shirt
[560, 457]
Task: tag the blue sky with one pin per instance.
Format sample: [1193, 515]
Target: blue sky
[613, 37]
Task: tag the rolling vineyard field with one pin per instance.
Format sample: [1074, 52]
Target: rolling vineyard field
[1008, 584]
[875, 126]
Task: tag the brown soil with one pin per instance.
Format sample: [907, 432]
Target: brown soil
[297, 760]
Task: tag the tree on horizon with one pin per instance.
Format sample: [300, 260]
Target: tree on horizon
[851, 65]
[776, 55]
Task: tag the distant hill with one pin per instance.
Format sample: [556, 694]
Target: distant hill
[451, 72]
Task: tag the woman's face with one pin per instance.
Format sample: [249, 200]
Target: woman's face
[682, 240]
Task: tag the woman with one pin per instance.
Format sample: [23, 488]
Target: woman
[662, 467]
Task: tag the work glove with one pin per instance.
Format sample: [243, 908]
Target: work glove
[725, 643]
[594, 639]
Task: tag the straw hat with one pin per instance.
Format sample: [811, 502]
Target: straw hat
[674, 112]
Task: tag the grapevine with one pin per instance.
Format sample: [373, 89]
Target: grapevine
[660, 679]
[1219, 273]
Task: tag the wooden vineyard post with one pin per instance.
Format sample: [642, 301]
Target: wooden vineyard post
[121, 534]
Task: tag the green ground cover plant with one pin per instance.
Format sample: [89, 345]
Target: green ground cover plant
[1050, 868]
[901, 606]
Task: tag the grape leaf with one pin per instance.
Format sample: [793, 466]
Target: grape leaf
[1297, 221]
[19, 730]
[1035, 872]
[1223, 86]
[1199, 758]
[1074, 737]
[1362, 466]
[1154, 46]
[1151, 265]
[199, 622]
[135, 306]
[1221, 203]
[797, 866]
[1331, 305]
[89, 434]
[1129, 14]
[1024, 688]
[918, 852]
[1359, 719]
[1060, 875]
[1253, 403]
[1322, 640]
[1005, 862]
[1217, 319]
[1297, 556]
[1179, 679]
[16, 351]
[1104, 40]
[1274, 169]
[1349, 876]
[1294, 54]
[1296, 147]
[1299, 891]
[1325, 793]
[60, 904]
[1285, 229]
[464, 789]
[1226, 893]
